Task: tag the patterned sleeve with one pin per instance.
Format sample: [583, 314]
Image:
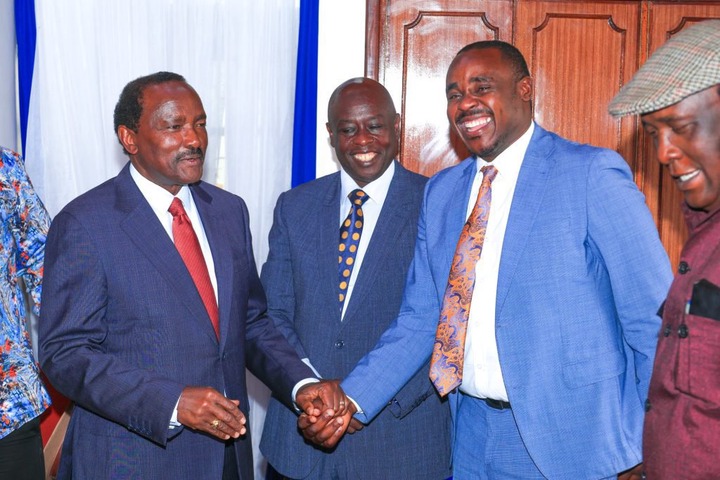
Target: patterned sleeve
[29, 224]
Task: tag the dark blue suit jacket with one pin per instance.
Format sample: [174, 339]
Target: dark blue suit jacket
[123, 330]
[410, 437]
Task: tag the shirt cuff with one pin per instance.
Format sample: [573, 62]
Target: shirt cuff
[357, 406]
[306, 361]
[173, 420]
[298, 386]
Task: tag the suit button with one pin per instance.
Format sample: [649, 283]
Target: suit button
[683, 268]
[339, 344]
[667, 331]
[683, 331]
[647, 405]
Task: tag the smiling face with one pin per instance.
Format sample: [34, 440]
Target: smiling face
[364, 129]
[686, 136]
[488, 103]
[169, 145]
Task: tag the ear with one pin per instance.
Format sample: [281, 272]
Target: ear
[525, 88]
[127, 138]
[330, 132]
[397, 125]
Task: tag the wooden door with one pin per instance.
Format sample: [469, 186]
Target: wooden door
[417, 41]
[580, 54]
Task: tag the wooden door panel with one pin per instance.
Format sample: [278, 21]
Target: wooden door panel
[580, 54]
[420, 39]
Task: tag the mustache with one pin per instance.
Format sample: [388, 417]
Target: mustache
[191, 152]
[470, 113]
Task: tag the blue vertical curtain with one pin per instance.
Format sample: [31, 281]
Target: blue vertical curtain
[304, 129]
[25, 34]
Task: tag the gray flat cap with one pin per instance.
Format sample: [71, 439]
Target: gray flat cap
[687, 63]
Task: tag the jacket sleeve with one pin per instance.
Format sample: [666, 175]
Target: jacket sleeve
[72, 331]
[623, 234]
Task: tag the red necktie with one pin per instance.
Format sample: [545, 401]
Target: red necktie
[446, 364]
[188, 246]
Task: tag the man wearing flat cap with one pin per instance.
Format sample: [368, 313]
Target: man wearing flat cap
[677, 94]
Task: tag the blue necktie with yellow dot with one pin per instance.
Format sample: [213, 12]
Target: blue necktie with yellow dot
[350, 232]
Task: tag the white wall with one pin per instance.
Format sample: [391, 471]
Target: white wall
[341, 55]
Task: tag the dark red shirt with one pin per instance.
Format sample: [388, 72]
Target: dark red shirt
[682, 426]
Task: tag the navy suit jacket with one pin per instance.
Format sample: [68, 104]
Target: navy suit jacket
[410, 437]
[581, 277]
[123, 330]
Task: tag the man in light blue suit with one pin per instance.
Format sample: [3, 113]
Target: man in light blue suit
[409, 437]
[562, 325]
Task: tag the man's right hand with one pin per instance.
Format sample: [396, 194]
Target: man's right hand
[328, 427]
[206, 409]
[312, 398]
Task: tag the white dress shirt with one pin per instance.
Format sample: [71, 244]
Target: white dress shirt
[160, 200]
[377, 190]
[482, 376]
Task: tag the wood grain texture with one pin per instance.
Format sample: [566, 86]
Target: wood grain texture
[580, 54]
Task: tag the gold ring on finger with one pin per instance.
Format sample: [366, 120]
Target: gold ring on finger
[215, 423]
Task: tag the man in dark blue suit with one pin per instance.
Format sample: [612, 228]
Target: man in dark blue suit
[559, 323]
[333, 325]
[151, 342]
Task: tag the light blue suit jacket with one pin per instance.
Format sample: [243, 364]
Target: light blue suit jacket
[581, 278]
[410, 437]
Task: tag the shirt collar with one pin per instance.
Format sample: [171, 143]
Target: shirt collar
[510, 160]
[159, 198]
[377, 189]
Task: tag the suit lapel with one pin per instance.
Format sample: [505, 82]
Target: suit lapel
[456, 217]
[150, 238]
[525, 208]
[327, 253]
[221, 253]
[382, 244]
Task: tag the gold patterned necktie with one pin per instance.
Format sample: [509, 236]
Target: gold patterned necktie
[446, 364]
[350, 232]
[188, 246]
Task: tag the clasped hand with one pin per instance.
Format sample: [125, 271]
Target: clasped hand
[327, 413]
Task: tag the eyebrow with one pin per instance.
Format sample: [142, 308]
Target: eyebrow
[669, 118]
[451, 86]
[476, 79]
[355, 119]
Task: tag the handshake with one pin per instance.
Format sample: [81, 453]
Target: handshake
[327, 413]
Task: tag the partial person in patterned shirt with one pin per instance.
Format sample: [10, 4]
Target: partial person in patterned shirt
[23, 397]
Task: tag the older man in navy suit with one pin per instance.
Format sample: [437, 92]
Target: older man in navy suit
[333, 303]
[153, 307]
[545, 341]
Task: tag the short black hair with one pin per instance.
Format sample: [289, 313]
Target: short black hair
[128, 108]
[508, 51]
